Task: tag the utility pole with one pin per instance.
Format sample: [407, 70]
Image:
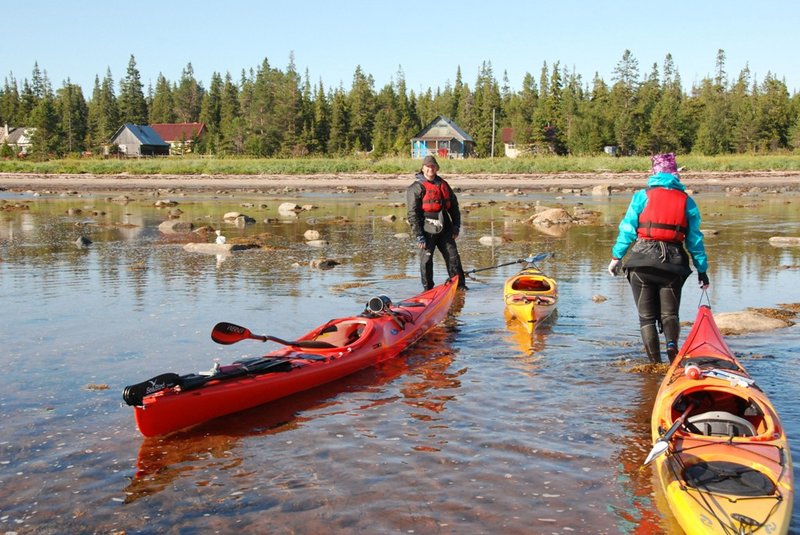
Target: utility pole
[493, 110]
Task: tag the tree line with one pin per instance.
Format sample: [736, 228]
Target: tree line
[269, 112]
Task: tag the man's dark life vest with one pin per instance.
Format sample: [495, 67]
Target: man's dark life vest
[436, 198]
[664, 215]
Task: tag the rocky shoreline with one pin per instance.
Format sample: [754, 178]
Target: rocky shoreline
[756, 181]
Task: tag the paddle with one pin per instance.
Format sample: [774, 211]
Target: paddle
[134, 394]
[530, 260]
[662, 443]
[227, 333]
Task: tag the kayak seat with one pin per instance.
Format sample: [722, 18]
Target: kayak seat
[722, 424]
[342, 334]
[530, 285]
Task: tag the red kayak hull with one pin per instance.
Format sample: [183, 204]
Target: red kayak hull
[382, 337]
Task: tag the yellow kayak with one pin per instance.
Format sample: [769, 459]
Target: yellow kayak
[530, 297]
[719, 448]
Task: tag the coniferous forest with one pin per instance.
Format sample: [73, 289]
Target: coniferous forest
[272, 112]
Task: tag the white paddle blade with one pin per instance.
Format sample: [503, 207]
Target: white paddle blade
[658, 450]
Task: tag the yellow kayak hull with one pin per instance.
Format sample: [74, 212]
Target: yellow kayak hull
[728, 467]
[530, 297]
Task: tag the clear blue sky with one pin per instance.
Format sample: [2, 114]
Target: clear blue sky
[425, 40]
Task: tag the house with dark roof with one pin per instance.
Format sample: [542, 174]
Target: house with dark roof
[442, 138]
[182, 137]
[136, 140]
[18, 138]
[507, 136]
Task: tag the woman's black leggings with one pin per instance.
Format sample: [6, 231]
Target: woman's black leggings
[658, 299]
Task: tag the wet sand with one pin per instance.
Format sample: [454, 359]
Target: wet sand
[778, 181]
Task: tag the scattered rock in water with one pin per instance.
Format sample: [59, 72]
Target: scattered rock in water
[317, 243]
[176, 226]
[748, 321]
[324, 264]
[491, 240]
[311, 235]
[83, 241]
[551, 216]
[784, 241]
[93, 386]
[599, 298]
[289, 209]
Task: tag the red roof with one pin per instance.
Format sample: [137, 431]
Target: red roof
[170, 132]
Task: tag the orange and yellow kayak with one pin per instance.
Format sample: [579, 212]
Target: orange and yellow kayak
[719, 449]
[170, 402]
[530, 297]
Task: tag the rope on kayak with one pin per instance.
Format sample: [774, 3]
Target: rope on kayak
[701, 496]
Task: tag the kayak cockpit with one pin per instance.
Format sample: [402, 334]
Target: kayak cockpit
[530, 284]
[722, 413]
[343, 333]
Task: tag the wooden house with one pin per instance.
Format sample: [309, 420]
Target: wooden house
[182, 137]
[18, 138]
[444, 139]
[509, 144]
[136, 140]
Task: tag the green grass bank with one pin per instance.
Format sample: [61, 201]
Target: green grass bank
[312, 166]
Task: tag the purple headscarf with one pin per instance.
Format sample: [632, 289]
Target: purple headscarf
[665, 163]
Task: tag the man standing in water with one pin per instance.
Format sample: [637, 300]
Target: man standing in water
[435, 220]
[662, 222]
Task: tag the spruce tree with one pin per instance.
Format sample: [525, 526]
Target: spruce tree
[361, 106]
[162, 108]
[188, 97]
[74, 117]
[132, 104]
[9, 104]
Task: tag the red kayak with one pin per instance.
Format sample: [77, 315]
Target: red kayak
[720, 450]
[340, 347]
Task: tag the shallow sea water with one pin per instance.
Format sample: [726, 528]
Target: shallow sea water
[475, 429]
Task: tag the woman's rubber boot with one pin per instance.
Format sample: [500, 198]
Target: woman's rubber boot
[672, 350]
[672, 330]
[652, 343]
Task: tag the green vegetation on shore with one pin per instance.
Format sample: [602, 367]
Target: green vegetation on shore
[396, 165]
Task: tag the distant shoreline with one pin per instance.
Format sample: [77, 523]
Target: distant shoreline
[370, 182]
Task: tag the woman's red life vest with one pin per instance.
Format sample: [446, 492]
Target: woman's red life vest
[437, 196]
[664, 215]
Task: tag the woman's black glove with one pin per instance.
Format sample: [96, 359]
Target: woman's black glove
[703, 279]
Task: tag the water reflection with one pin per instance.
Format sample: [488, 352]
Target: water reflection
[476, 429]
[213, 445]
